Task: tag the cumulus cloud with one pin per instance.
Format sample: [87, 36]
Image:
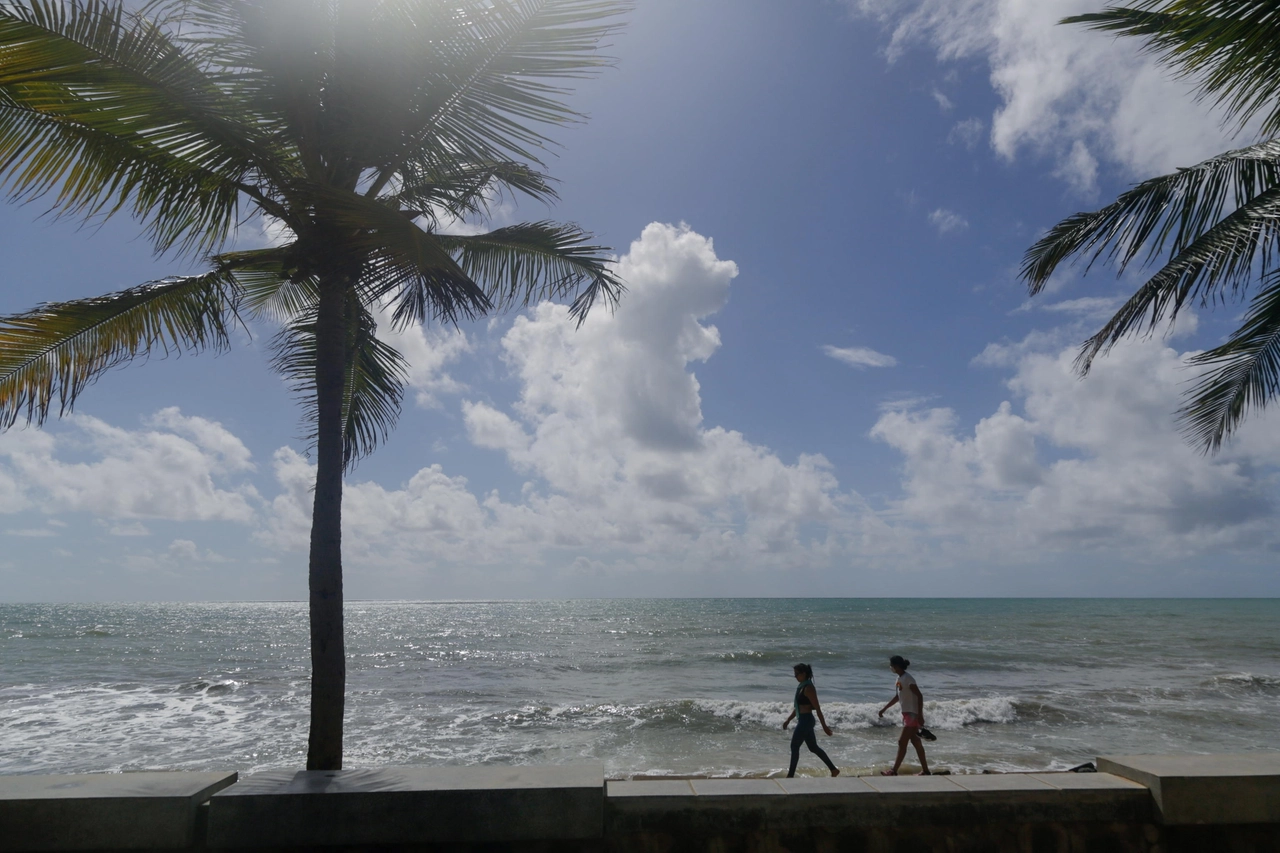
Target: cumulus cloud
[428, 352]
[1069, 93]
[260, 232]
[610, 415]
[622, 472]
[859, 357]
[1082, 465]
[179, 560]
[947, 221]
[172, 469]
[608, 427]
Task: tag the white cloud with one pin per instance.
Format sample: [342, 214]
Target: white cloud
[609, 429]
[943, 102]
[947, 221]
[1073, 94]
[136, 528]
[209, 437]
[1081, 465]
[178, 561]
[1079, 168]
[859, 356]
[428, 352]
[622, 473]
[1090, 307]
[169, 471]
[260, 232]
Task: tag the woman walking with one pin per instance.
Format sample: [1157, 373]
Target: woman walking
[907, 693]
[803, 709]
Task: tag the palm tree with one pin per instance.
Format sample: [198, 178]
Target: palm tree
[364, 127]
[1213, 228]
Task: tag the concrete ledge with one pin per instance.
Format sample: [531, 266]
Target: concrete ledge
[96, 811]
[409, 805]
[695, 805]
[736, 806]
[1194, 802]
[1206, 789]
[1100, 797]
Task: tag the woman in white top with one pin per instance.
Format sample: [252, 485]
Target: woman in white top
[912, 701]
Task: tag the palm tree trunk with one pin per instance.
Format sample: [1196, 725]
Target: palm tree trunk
[328, 653]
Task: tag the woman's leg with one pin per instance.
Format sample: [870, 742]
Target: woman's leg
[903, 739]
[797, 738]
[919, 745]
[811, 741]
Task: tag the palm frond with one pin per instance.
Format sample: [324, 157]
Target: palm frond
[1231, 48]
[1217, 223]
[1244, 374]
[95, 173]
[455, 191]
[86, 82]
[523, 263]
[57, 350]
[486, 72]
[1225, 256]
[375, 380]
[270, 283]
[207, 30]
[1163, 214]
[403, 263]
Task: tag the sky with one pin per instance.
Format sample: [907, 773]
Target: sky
[825, 378]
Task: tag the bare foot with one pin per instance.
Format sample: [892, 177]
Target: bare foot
[888, 772]
[924, 773]
[835, 773]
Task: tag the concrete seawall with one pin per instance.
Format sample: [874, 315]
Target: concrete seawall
[1145, 804]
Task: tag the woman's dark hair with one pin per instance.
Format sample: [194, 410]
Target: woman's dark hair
[805, 668]
[899, 661]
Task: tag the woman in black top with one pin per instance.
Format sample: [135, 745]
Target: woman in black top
[805, 706]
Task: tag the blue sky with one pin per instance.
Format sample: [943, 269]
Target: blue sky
[824, 380]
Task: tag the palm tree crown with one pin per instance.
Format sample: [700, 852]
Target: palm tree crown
[364, 127]
[1213, 228]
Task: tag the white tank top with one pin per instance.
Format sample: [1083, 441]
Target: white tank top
[906, 697]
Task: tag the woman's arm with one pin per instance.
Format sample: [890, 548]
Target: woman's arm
[892, 702]
[812, 695]
[920, 697]
[788, 720]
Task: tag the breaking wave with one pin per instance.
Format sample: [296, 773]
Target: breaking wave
[944, 714]
[733, 715]
[1246, 681]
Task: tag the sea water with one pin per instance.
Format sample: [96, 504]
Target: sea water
[643, 687]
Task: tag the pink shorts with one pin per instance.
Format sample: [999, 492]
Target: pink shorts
[911, 721]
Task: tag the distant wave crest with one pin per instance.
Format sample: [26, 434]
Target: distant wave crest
[1246, 681]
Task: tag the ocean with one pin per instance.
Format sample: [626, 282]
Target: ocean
[643, 687]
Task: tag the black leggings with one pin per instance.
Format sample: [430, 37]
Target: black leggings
[804, 734]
